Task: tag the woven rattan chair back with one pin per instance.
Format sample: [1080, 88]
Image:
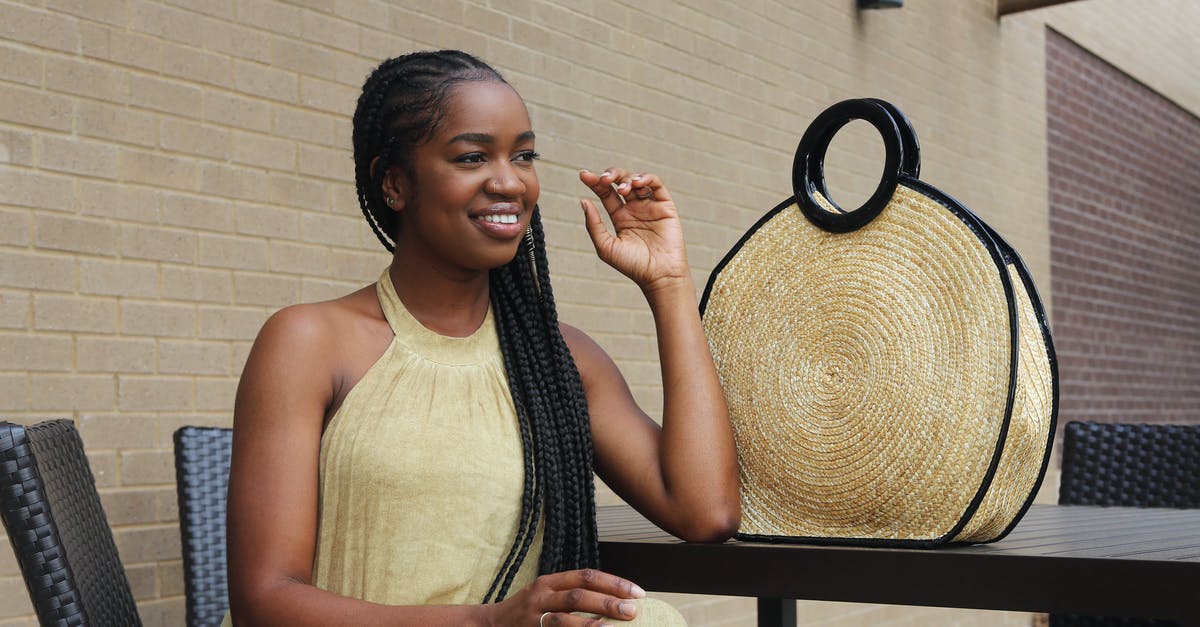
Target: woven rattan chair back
[1128, 465]
[1147, 465]
[58, 530]
[202, 477]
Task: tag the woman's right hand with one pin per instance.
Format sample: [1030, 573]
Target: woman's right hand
[550, 600]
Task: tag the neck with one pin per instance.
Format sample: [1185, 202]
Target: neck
[453, 305]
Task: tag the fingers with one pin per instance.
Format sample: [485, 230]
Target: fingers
[615, 187]
[601, 238]
[588, 591]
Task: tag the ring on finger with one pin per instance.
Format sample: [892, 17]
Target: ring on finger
[643, 193]
[542, 619]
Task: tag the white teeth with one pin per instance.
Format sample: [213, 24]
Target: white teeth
[504, 218]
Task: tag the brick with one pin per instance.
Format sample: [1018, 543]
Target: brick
[143, 578]
[316, 290]
[54, 232]
[164, 22]
[158, 319]
[36, 352]
[194, 357]
[15, 227]
[295, 258]
[106, 11]
[118, 278]
[20, 105]
[136, 50]
[372, 14]
[40, 28]
[325, 163]
[87, 78]
[117, 431]
[118, 124]
[52, 312]
[74, 392]
[121, 202]
[167, 96]
[241, 253]
[14, 392]
[357, 266]
[331, 229]
[301, 192]
[327, 95]
[236, 111]
[196, 65]
[16, 147]
[148, 544]
[115, 354]
[14, 600]
[194, 138]
[197, 284]
[272, 16]
[215, 394]
[269, 221]
[265, 81]
[143, 393]
[74, 156]
[170, 574]
[264, 151]
[135, 166]
[21, 66]
[234, 182]
[231, 323]
[105, 468]
[142, 242]
[264, 289]
[40, 191]
[307, 126]
[302, 58]
[163, 612]
[198, 212]
[130, 507]
[14, 309]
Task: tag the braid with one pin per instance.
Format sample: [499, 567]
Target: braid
[542, 374]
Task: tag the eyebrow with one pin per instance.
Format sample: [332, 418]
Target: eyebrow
[484, 138]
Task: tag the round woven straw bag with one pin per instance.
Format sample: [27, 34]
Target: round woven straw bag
[889, 370]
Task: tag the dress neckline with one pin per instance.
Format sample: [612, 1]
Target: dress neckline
[478, 347]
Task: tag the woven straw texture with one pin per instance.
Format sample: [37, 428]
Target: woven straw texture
[202, 457]
[58, 529]
[1027, 442]
[843, 426]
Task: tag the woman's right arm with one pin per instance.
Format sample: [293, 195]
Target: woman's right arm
[286, 386]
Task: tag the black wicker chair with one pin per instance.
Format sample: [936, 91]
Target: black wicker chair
[58, 530]
[202, 476]
[1126, 465]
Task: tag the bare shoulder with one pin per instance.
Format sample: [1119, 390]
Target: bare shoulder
[315, 327]
[590, 358]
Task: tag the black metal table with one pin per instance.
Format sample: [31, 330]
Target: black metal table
[1063, 559]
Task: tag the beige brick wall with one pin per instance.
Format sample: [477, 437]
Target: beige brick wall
[172, 171]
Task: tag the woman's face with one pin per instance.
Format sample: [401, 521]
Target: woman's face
[473, 184]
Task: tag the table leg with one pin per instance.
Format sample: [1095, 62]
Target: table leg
[776, 612]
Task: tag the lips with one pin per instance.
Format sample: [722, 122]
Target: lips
[501, 220]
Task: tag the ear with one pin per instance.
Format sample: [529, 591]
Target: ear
[395, 186]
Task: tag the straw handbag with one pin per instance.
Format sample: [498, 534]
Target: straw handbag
[889, 370]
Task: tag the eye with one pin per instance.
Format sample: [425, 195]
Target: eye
[471, 157]
[528, 156]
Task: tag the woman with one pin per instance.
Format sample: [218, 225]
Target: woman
[420, 452]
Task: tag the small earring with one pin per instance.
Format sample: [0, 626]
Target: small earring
[391, 201]
[529, 247]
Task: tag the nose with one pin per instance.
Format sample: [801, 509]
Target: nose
[505, 181]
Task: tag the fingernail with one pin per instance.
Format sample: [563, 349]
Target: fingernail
[628, 609]
[582, 204]
[638, 177]
[637, 591]
[585, 170]
[623, 186]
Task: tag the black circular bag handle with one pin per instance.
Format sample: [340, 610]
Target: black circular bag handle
[808, 168]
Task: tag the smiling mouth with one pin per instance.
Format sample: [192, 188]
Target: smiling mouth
[500, 218]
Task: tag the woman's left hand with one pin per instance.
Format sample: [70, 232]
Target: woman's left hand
[648, 245]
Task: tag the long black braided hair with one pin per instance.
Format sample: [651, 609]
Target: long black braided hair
[399, 109]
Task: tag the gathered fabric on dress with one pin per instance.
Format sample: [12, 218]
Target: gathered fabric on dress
[422, 471]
